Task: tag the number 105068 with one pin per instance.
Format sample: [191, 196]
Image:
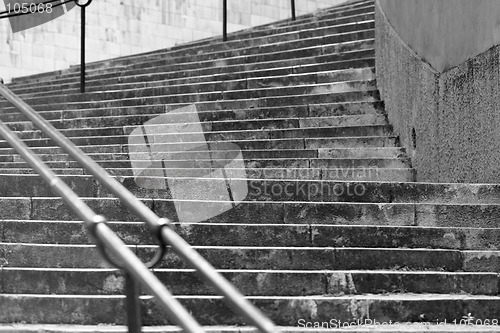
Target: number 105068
[27, 7]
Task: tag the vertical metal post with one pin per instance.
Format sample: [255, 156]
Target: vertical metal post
[224, 20]
[82, 4]
[82, 52]
[132, 305]
[293, 9]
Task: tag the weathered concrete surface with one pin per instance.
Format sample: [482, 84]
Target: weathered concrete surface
[445, 33]
[287, 311]
[446, 121]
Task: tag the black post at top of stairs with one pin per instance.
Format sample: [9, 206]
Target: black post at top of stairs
[224, 20]
[82, 4]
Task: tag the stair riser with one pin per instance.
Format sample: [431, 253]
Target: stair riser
[253, 212]
[347, 174]
[47, 256]
[288, 143]
[292, 235]
[373, 154]
[264, 283]
[368, 167]
[297, 191]
[180, 156]
[289, 312]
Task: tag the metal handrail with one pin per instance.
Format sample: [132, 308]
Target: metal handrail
[156, 225]
[96, 225]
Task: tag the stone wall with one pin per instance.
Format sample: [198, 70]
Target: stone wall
[119, 28]
[447, 119]
[445, 33]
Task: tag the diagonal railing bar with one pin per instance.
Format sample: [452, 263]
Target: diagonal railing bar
[96, 225]
[231, 295]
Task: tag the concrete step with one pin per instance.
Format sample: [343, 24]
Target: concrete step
[78, 281]
[175, 151]
[396, 234]
[269, 190]
[271, 212]
[341, 174]
[264, 258]
[180, 155]
[199, 166]
[291, 310]
[284, 143]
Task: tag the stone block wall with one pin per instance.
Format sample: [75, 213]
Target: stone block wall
[123, 27]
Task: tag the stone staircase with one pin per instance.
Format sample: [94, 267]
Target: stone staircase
[333, 229]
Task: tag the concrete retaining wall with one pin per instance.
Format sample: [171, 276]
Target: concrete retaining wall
[119, 28]
[445, 33]
[447, 120]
